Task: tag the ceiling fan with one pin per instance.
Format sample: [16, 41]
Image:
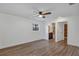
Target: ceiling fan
[43, 14]
[72, 3]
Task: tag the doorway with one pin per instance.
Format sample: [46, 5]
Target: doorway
[62, 32]
[51, 31]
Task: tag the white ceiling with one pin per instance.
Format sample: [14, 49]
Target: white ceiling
[27, 10]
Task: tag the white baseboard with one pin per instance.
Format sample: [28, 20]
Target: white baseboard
[18, 43]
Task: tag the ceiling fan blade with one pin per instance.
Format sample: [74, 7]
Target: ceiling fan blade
[36, 13]
[47, 13]
[71, 3]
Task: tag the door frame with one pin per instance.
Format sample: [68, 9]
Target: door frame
[58, 33]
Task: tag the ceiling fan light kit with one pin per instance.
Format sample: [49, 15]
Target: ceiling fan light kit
[40, 16]
[43, 16]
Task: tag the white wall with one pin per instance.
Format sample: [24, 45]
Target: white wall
[51, 27]
[16, 30]
[73, 30]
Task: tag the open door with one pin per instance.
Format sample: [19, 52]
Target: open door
[65, 32]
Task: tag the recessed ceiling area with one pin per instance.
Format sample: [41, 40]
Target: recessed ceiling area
[27, 10]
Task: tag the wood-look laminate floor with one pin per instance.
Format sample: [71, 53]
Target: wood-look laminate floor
[41, 48]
